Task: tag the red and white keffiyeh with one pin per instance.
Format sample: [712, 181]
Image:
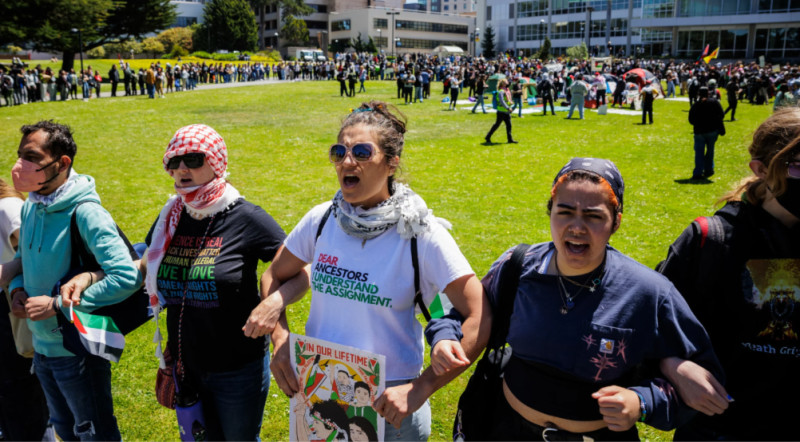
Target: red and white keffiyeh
[199, 201]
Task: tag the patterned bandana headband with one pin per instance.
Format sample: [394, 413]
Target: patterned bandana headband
[199, 138]
[605, 168]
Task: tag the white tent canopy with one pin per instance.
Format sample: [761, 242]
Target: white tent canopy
[447, 50]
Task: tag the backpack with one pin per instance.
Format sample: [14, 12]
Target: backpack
[127, 314]
[477, 405]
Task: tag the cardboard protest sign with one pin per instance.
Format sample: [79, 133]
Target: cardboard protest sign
[338, 385]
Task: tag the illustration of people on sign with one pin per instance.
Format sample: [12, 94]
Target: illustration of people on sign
[340, 385]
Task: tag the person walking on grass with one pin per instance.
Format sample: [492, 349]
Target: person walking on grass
[480, 88]
[503, 112]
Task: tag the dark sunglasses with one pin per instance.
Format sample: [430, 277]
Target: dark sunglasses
[793, 168]
[360, 151]
[191, 160]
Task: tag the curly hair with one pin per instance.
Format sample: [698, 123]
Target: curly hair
[59, 138]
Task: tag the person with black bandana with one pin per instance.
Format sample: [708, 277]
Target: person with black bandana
[739, 270]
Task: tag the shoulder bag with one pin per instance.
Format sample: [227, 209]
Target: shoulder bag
[477, 404]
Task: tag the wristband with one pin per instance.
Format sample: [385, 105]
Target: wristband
[18, 289]
[642, 406]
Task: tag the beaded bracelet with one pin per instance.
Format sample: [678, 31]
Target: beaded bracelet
[642, 406]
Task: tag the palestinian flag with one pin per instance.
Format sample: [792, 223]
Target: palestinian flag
[99, 334]
[440, 306]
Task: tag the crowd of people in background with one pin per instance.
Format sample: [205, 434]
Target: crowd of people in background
[756, 83]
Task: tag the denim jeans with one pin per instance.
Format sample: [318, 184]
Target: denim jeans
[414, 427]
[576, 102]
[704, 153]
[479, 101]
[78, 392]
[517, 104]
[85, 89]
[233, 401]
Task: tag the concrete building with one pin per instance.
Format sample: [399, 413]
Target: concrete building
[410, 30]
[189, 12]
[419, 25]
[675, 28]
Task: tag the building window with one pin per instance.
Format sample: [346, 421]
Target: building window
[511, 10]
[316, 24]
[488, 13]
[413, 43]
[446, 8]
[380, 23]
[432, 27]
[318, 8]
[777, 43]
[732, 42]
[340, 25]
[511, 33]
[182, 22]
[455, 7]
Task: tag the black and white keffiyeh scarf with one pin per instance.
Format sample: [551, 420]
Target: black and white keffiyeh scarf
[404, 209]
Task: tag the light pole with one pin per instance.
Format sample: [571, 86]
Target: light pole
[589, 10]
[541, 31]
[324, 42]
[475, 37]
[516, 28]
[393, 14]
[80, 43]
[379, 40]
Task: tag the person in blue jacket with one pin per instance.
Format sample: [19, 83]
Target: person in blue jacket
[589, 326]
[77, 388]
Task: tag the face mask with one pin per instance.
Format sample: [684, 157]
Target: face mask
[29, 177]
[790, 199]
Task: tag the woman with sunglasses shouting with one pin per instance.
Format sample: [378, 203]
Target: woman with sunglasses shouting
[366, 235]
[201, 264]
[739, 270]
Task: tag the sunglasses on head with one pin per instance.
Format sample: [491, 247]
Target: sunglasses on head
[360, 151]
[793, 168]
[191, 160]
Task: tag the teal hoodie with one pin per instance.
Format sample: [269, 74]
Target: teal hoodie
[45, 249]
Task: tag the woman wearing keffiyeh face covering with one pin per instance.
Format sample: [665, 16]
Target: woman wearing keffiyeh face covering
[363, 276]
[201, 265]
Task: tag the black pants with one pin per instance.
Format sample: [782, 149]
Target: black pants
[23, 408]
[647, 109]
[113, 88]
[509, 425]
[548, 99]
[732, 107]
[453, 97]
[407, 92]
[502, 117]
[601, 97]
[343, 89]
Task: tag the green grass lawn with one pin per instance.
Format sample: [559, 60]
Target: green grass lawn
[495, 196]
